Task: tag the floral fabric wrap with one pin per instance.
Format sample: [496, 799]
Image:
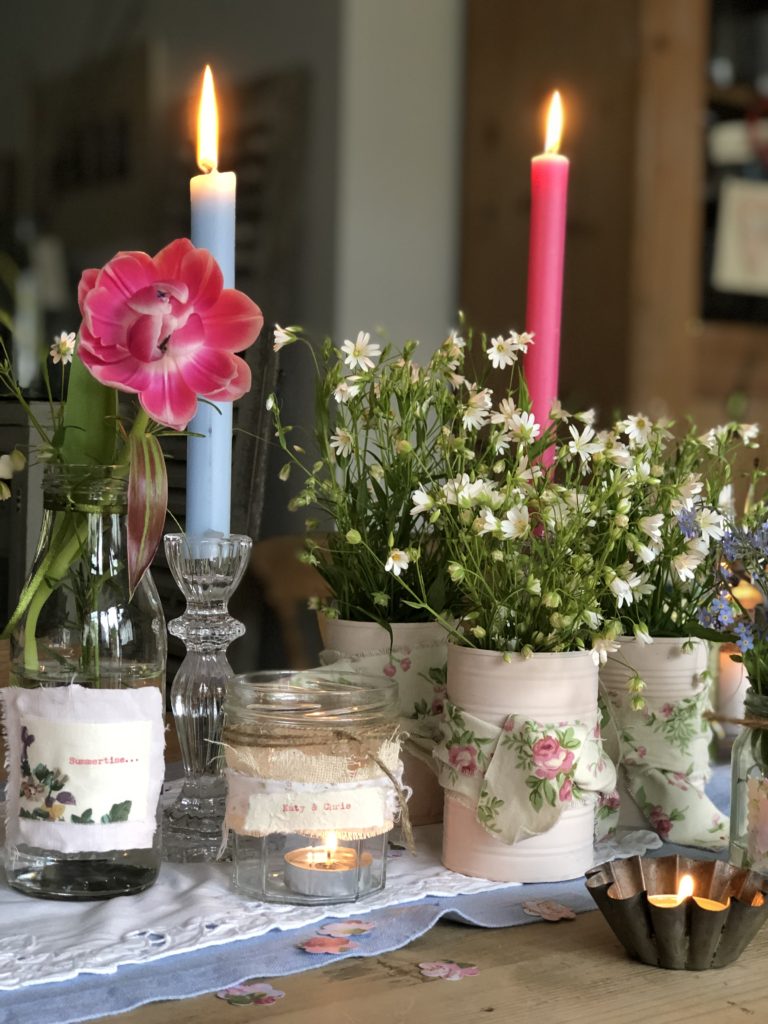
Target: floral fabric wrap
[663, 753]
[419, 672]
[522, 776]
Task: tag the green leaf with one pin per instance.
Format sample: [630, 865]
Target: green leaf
[118, 812]
[86, 818]
[90, 419]
[147, 504]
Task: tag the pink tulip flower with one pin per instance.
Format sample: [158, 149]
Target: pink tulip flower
[165, 328]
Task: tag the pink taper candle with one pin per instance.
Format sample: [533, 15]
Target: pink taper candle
[549, 199]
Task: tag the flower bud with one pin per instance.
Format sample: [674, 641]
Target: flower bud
[353, 537]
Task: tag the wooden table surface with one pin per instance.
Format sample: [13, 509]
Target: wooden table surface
[572, 972]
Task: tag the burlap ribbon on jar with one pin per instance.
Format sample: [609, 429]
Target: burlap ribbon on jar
[312, 781]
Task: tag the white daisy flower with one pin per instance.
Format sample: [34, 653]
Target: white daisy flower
[651, 526]
[523, 427]
[476, 410]
[521, 341]
[504, 413]
[710, 523]
[63, 347]
[397, 562]
[501, 352]
[282, 337]
[486, 522]
[602, 646]
[342, 442]
[453, 488]
[638, 429]
[622, 591]
[748, 432]
[422, 502]
[690, 488]
[362, 352]
[641, 633]
[583, 444]
[686, 563]
[515, 523]
[345, 390]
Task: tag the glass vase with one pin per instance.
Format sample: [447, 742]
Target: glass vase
[84, 714]
[749, 788]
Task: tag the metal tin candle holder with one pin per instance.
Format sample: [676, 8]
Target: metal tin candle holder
[710, 928]
[313, 783]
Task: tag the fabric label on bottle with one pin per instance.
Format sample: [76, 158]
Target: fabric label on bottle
[757, 824]
[85, 767]
[260, 807]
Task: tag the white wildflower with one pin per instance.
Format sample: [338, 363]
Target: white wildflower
[641, 633]
[486, 522]
[602, 646]
[346, 389]
[504, 413]
[63, 347]
[501, 352]
[515, 523]
[523, 427]
[748, 432]
[397, 562]
[710, 523]
[583, 444]
[638, 429]
[686, 563]
[422, 502]
[588, 417]
[477, 408]
[342, 442]
[651, 526]
[362, 352]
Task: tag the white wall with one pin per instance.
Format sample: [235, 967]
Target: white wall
[400, 134]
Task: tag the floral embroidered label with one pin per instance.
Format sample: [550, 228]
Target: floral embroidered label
[85, 767]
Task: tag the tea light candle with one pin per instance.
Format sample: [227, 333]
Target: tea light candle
[713, 905]
[330, 871]
[666, 901]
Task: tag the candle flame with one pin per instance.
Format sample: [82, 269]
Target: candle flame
[685, 888]
[331, 844]
[207, 126]
[554, 124]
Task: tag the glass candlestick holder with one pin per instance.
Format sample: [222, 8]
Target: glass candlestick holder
[207, 570]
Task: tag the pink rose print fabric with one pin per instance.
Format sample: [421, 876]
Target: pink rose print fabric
[521, 776]
[663, 756]
[327, 944]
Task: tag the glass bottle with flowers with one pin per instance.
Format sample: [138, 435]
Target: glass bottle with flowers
[657, 685]
[84, 715]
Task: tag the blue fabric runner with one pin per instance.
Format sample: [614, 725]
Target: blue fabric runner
[276, 954]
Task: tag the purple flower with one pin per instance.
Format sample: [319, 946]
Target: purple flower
[745, 636]
[686, 520]
[723, 610]
[730, 545]
[706, 618]
[65, 797]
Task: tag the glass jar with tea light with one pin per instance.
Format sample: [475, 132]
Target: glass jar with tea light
[313, 783]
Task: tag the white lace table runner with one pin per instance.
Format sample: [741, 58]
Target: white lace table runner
[194, 905]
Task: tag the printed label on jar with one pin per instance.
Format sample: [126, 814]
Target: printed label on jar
[757, 823]
[260, 807]
[85, 767]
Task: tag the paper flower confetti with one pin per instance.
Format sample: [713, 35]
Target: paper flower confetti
[548, 910]
[342, 929]
[327, 944]
[254, 993]
[448, 970]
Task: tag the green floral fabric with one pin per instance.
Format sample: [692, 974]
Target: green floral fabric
[522, 776]
[663, 756]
